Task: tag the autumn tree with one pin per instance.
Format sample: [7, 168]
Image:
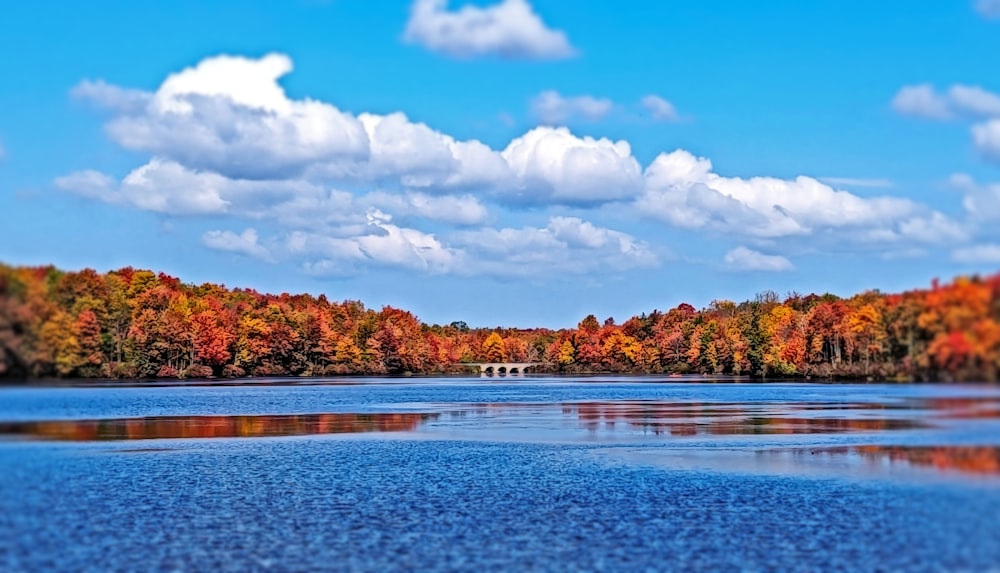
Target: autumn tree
[494, 348]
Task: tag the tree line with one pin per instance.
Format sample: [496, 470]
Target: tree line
[138, 324]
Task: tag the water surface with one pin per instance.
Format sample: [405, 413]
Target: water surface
[532, 473]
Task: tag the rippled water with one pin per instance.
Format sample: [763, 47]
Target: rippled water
[533, 473]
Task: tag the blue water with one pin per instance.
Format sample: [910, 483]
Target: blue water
[537, 474]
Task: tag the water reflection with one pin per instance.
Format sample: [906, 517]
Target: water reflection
[625, 418]
[689, 419]
[666, 418]
[150, 428]
[965, 459]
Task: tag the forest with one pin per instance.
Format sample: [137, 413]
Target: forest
[138, 324]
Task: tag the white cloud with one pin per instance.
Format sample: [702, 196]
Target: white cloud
[510, 29]
[659, 109]
[981, 201]
[109, 96]
[225, 140]
[382, 244]
[982, 254]
[682, 190]
[921, 101]
[988, 8]
[968, 101]
[857, 182]
[986, 137]
[91, 184]
[566, 245]
[416, 156]
[744, 259]
[165, 186]
[554, 109]
[245, 243]
[554, 166]
[974, 100]
[228, 114]
[459, 210]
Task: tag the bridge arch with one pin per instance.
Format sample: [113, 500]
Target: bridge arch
[504, 368]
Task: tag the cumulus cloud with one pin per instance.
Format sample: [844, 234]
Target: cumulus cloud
[225, 140]
[682, 190]
[245, 243]
[959, 100]
[110, 96]
[744, 259]
[921, 101]
[857, 182]
[165, 186]
[554, 166]
[91, 184]
[988, 8]
[974, 100]
[659, 109]
[566, 245]
[416, 156]
[460, 210]
[924, 101]
[977, 254]
[510, 29]
[553, 108]
[228, 116]
[980, 200]
[381, 244]
[986, 137]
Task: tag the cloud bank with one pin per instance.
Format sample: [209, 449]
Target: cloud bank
[336, 192]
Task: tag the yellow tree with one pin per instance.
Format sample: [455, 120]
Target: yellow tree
[566, 353]
[494, 349]
[866, 324]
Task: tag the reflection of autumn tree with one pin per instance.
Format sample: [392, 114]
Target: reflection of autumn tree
[167, 427]
[136, 323]
[970, 459]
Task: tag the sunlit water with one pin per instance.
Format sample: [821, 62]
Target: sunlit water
[509, 474]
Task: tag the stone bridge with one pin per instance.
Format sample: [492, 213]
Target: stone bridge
[503, 368]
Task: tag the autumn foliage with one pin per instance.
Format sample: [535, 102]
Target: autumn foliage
[138, 324]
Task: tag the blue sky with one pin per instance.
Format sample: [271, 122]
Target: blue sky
[515, 163]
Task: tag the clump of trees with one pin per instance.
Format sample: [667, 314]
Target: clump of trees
[139, 324]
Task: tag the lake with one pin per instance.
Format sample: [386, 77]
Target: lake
[533, 473]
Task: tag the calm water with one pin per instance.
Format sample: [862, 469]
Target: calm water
[533, 473]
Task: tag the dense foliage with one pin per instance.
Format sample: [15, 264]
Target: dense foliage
[138, 324]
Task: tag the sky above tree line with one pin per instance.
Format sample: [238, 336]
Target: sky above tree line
[505, 162]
